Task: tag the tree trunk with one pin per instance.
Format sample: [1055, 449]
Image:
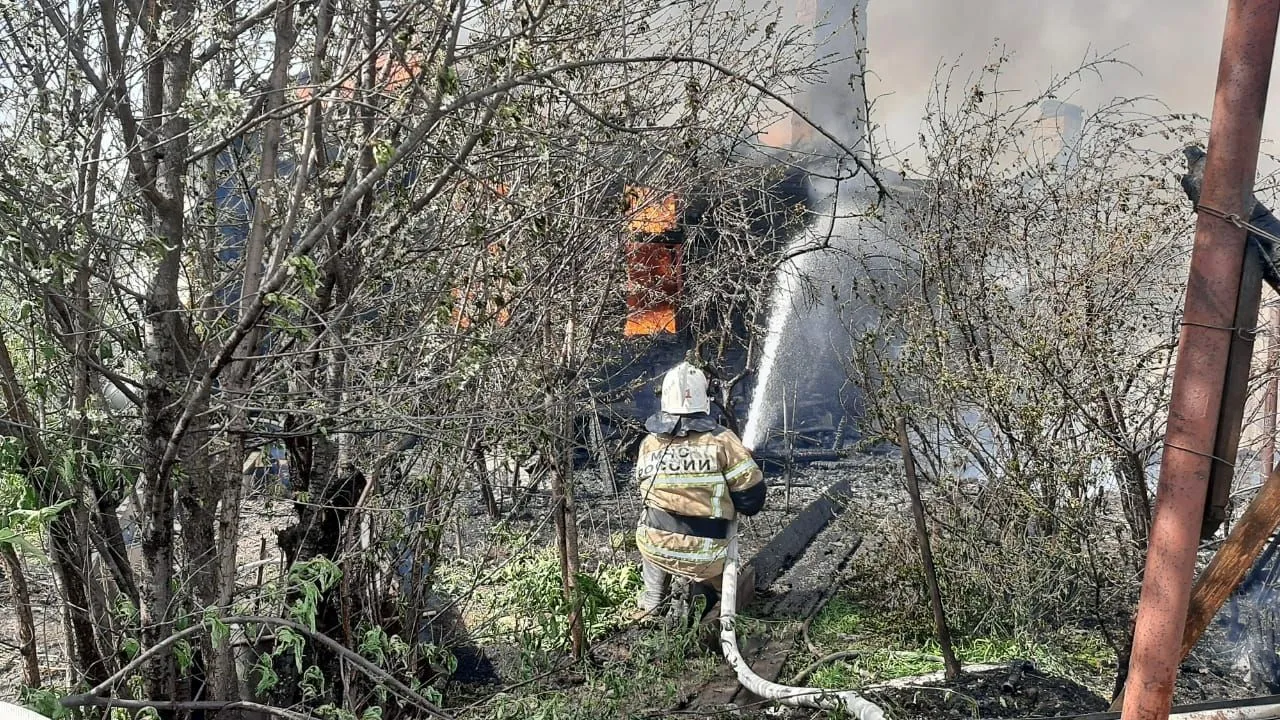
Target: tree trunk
[564, 511]
[224, 678]
[225, 681]
[168, 346]
[160, 414]
[1123, 654]
[198, 493]
[1135, 501]
[601, 450]
[66, 552]
[566, 519]
[26, 622]
[926, 556]
[486, 483]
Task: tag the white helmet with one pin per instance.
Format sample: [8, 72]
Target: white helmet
[684, 391]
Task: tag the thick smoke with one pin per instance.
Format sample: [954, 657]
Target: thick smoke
[1172, 45]
[838, 103]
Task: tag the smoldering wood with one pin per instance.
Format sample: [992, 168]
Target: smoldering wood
[1232, 561]
[1253, 626]
[781, 552]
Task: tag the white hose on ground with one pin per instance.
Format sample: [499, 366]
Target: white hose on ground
[1257, 712]
[817, 698]
[9, 711]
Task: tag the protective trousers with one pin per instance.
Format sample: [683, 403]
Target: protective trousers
[658, 581]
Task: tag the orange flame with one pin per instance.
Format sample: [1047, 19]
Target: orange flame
[653, 283]
[643, 323]
[647, 215]
[789, 130]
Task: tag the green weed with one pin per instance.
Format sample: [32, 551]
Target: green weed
[885, 648]
[523, 600]
[660, 666]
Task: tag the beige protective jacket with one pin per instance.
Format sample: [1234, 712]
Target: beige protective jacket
[692, 486]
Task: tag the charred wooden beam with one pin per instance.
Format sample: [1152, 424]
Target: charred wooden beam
[788, 545]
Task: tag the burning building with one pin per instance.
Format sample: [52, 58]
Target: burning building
[654, 263]
[659, 251]
[660, 248]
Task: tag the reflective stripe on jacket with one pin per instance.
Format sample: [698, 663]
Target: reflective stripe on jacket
[707, 475]
[696, 558]
[696, 475]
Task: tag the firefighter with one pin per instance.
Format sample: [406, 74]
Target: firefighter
[694, 477]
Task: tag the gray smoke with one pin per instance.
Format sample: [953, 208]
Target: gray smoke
[1173, 46]
[839, 102]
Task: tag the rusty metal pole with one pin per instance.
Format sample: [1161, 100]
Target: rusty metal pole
[1213, 290]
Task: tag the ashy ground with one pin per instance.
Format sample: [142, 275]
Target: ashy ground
[504, 580]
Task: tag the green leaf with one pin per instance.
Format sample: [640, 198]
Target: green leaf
[131, 647]
[185, 654]
[288, 640]
[41, 516]
[44, 701]
[14, 539]
[449, 81]
[374, 645]
[219, 632]
[312, 683]
[306, 271]
[267, 677]
[382, 151]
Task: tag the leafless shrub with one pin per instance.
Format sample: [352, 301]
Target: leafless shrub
[1029, 339]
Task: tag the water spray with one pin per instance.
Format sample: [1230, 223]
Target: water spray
[780, 313]
[760, 415]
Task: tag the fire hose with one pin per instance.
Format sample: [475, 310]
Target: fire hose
[848, 700]
[807, 697]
